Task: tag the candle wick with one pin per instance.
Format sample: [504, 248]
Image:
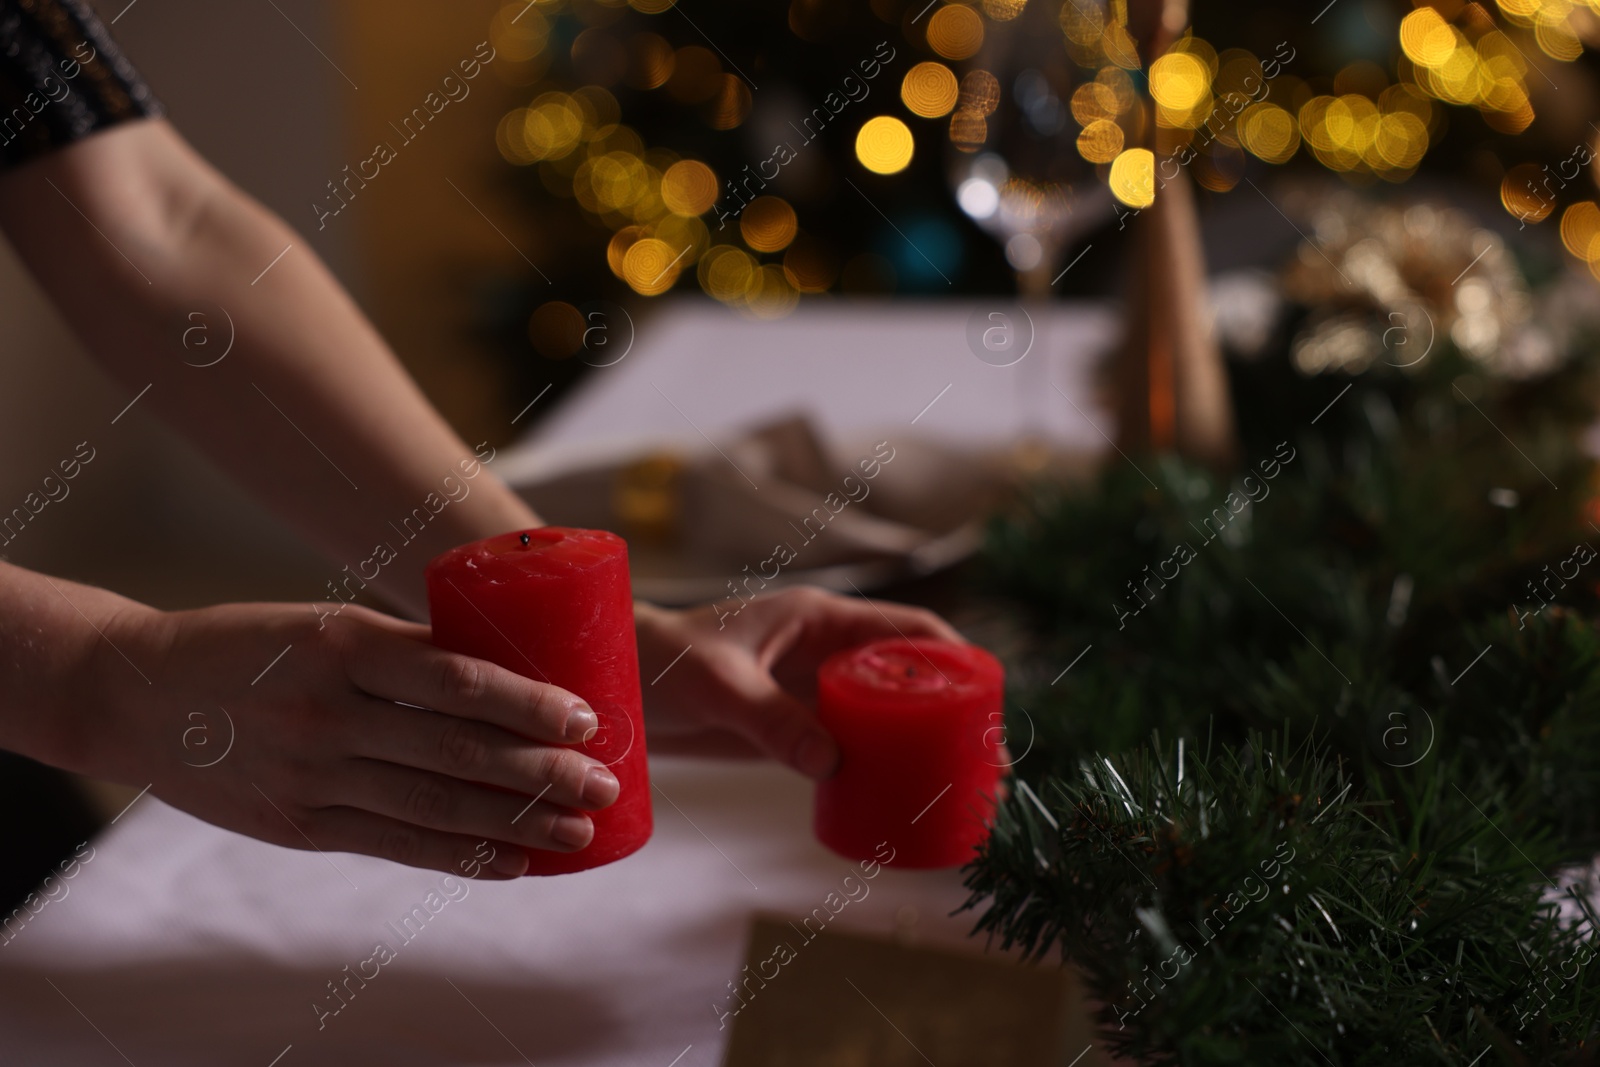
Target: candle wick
[525, 540]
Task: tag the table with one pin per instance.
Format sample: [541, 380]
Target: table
[698, 372]
[178, 943]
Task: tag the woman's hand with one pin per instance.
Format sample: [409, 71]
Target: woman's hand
[746, 684]
[356, 736]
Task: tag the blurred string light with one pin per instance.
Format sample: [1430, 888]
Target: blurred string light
[884, 145]
[1580, 233]
[768, 224]
[1211, 109]
[956, 31]
[653, 199]
[929, 90]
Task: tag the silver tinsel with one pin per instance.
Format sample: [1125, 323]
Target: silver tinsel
[1391, 283]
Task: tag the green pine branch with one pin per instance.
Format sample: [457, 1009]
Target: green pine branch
[1391, 886]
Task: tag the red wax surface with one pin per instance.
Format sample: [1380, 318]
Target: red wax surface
[560, 610]
[920, 739]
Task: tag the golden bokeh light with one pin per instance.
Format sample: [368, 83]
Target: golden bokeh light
[980, 92]
[686, 234]
[1179, 81]
[1239, 72]
[550, 128]
[1426, 38]
[598, 108]
[1556, 39]
[884, 144]
[1268, 132]
[1370, 122]
[1312, 125]
[645, 204]
[1133, 177]
[1400, 140]
[1519, 192]
[689, 187]
[610, 182]
[1350, 121]
[725, 272]
[651, 266]
[517, 33]
[768, 224]
[1084, 25]
[1219, 167]
[1092, 101]
[1408, 98]
[650, 61]
[618, 246]
[1522, 11]
[968, 129]
[1121, 85]
[1199, 48]
[1351, 133]
[730, 105]
[955, 31]
[1119, 46]
[1580, 224]
[770, 295]
[1512, 122]
[510, 139]
[1003, 10]
[929, 90]
[1100, 141]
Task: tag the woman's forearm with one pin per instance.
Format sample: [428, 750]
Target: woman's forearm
[309, 409]
[52, 658]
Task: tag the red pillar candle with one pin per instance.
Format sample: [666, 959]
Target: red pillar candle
[918, 722]
[555, 605]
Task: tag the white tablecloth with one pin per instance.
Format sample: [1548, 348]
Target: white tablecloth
[860, 369]
[179, 943]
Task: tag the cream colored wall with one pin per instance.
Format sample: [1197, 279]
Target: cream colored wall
[148, 516]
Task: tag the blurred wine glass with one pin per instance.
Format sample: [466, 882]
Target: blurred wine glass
[1045, 105]
[1040, 105]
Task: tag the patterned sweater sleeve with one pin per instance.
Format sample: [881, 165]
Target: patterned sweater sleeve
[62, 78]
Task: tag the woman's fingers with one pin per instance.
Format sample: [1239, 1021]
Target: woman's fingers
[757, 709]
[853, 621]
[396, 668]
[427, 801]
[352, 830]
[474, 751]
[831, 623]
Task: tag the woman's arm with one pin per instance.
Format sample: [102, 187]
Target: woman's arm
[130, 232]
[258, 718]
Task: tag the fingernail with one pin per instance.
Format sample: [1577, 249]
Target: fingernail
[508, 863]
[573, 830]
[581, 724]
[816, 756]
[600, 787]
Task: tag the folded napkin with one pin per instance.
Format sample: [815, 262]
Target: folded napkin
[779, 505]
